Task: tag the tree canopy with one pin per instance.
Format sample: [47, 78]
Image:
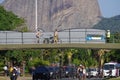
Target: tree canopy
[8, 20]
[112, 24]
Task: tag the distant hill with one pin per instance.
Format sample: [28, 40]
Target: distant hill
[112, 24]
[60, 14]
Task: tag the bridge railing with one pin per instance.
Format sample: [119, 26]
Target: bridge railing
[67, 36]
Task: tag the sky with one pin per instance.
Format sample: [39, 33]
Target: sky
[109, 8]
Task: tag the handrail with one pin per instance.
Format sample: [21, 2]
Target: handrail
[80, 36]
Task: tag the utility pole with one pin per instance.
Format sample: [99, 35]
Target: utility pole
[36, 15]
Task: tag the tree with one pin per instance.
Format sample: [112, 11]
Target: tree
[117, 37]
[85, 56]
[112, 24]
[102, 56]
[8, 20]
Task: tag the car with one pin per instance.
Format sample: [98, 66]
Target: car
[54, 72]
[92, 72]
[70, 71]
[41, 72]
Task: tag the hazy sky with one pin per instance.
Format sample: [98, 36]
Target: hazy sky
[109, 8]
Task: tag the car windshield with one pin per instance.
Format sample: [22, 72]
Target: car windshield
[67, 69]
[108, 67]
[53, 69]
[41, 69]
[93, 69]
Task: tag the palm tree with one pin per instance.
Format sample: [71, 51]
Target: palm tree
[69, 55]
[102, 57]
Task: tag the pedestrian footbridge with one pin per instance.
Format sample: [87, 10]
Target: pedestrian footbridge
[74, 38]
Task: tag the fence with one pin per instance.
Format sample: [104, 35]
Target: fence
[65, 36]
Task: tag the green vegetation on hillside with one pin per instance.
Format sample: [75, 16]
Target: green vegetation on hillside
[9, 21]
[112, 24]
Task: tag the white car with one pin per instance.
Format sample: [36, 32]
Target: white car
[92, 72]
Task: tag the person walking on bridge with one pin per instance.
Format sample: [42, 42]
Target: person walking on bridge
[56, 36]
[38, 36]
[108, 36]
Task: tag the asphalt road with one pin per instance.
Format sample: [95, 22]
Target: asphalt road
[30, 78]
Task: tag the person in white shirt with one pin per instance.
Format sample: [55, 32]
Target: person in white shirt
[38, 36]
[5, 70]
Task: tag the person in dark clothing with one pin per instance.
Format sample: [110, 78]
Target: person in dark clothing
[80, 72]
[110, 73]
[13, 74]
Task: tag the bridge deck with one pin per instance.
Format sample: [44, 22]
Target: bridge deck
[67, 45]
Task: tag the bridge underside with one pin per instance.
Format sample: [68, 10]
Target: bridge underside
[48, 46]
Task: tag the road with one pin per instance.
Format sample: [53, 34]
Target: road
[30, 78]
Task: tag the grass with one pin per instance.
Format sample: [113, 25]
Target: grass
[19, 78]
[118, 78]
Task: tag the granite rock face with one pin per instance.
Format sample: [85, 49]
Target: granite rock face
[56, 14]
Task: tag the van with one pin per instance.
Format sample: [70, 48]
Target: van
[111, 69]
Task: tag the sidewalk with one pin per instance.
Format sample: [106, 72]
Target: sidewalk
[19, 78]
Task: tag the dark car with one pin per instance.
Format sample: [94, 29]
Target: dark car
[54, 72]
[41, 72]
[70, 71]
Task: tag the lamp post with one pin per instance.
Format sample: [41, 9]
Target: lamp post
[60, 56]
[24, 64]
[36, 13]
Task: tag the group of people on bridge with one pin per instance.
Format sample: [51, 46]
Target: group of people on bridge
[38, 34]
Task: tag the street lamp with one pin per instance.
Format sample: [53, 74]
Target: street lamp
[36, 26]
[60, 56]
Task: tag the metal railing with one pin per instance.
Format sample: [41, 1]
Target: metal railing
[66, 36]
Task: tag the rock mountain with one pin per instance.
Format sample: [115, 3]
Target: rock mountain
[56, 14]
